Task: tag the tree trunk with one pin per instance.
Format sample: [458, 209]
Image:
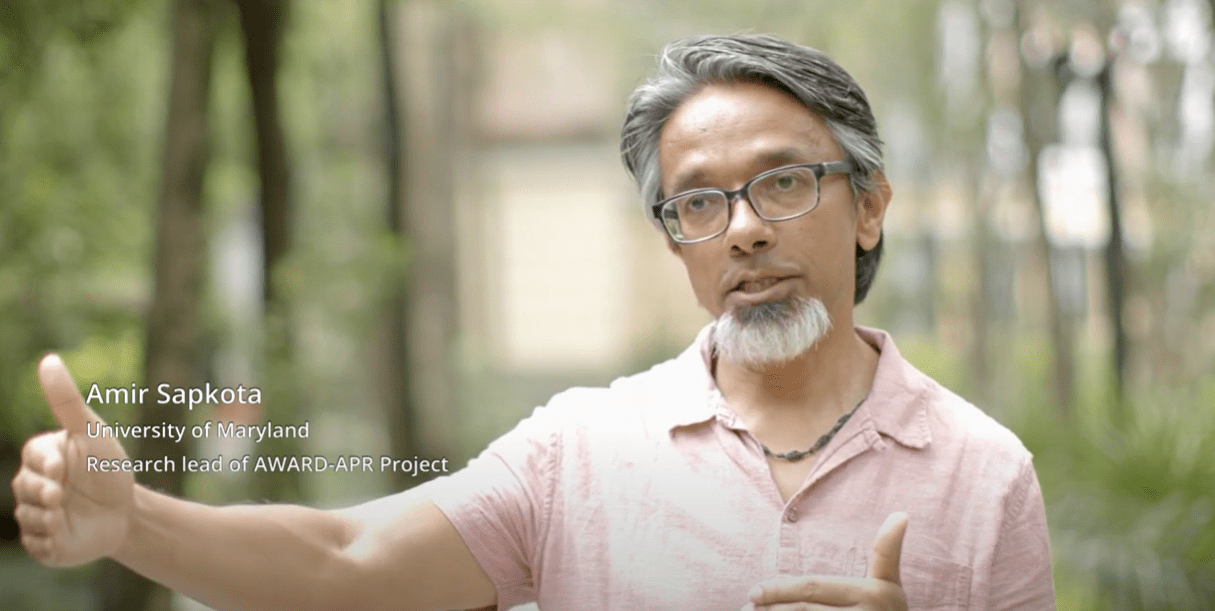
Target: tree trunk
[1115, 255]
[262, 23]
[427, 67]
[1212, 13]
[980, 178]
[394, 371]
[1038, 101]
[981, 306]
[171, 354]
[262, 26]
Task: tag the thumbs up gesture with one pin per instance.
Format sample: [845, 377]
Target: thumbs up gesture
[69, 515]
[880, 590]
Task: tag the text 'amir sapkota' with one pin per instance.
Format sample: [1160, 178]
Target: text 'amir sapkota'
[167, 394]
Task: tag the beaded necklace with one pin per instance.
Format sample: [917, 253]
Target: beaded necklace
[794, 455]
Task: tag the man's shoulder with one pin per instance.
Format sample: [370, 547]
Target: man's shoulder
[957, 422]
[665, 386]
[675, 375]
[920, 411]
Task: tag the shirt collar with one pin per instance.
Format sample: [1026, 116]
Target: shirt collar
[696, 400]
[897, 404]
[898, 400]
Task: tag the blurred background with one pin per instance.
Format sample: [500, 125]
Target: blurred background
[406, 221]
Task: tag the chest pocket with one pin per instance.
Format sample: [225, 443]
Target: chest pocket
[934, 583]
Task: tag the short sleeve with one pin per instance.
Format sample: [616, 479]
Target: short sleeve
[499, 504]
[1021, 571]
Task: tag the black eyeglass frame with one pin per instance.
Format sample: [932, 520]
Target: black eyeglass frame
[821, 169]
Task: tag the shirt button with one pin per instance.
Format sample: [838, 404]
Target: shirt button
[791, 515]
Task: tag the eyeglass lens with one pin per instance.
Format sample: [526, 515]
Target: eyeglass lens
[777, 196]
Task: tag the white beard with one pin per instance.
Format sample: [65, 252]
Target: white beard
[770, 333]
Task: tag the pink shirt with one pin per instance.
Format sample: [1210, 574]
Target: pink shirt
[650, 494]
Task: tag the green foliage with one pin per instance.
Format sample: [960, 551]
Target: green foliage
[77, 183]
[1131, 511]
[943, 365]
[28, 31]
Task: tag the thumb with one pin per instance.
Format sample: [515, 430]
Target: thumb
[888, 547]
[62, 396]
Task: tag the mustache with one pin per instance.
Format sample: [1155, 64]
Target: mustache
[734, 280]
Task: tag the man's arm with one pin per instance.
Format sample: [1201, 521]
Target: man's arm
[399, 552]
[403, 554]
[1020, 569]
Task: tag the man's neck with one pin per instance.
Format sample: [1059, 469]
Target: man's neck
[821, 384]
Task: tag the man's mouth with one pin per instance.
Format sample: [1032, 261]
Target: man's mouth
[755, 286]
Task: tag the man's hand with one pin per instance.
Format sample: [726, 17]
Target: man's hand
[69, 516]
[881, 590]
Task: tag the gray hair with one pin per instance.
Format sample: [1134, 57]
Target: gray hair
[808, 75]
[770, 333]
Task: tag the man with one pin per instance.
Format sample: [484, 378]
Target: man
[787, 460]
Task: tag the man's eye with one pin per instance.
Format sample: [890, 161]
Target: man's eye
[786, 182]
[695, 204]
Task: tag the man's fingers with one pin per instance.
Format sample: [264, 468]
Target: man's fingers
[888, 548]
[62, 396]
[792, 607]
[33, 489]
[39, 546]
[43, 454]
[825, 589]
[38, 521]
[813, 592]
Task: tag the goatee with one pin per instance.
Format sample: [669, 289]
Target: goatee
[770, 333]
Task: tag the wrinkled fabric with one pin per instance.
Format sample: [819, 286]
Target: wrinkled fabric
[651, 494]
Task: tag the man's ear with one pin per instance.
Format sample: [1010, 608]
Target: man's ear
[871, 210]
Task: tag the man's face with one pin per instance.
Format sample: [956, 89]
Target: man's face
[724, 135]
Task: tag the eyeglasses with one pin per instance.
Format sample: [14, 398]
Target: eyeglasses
[776, 195]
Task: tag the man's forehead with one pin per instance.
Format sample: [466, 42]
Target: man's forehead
[718, 109]
[743, 126]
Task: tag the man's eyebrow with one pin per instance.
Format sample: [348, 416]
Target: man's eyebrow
[769, 159]
[690, 178]
[783, 156]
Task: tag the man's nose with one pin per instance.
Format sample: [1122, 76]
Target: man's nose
[747, 233]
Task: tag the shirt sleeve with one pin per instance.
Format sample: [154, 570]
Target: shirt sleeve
[499, 504]
[1021, 576]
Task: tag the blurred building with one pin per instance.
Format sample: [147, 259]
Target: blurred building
[563, 270]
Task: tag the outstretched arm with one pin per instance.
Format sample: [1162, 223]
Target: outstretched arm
[399, 552]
